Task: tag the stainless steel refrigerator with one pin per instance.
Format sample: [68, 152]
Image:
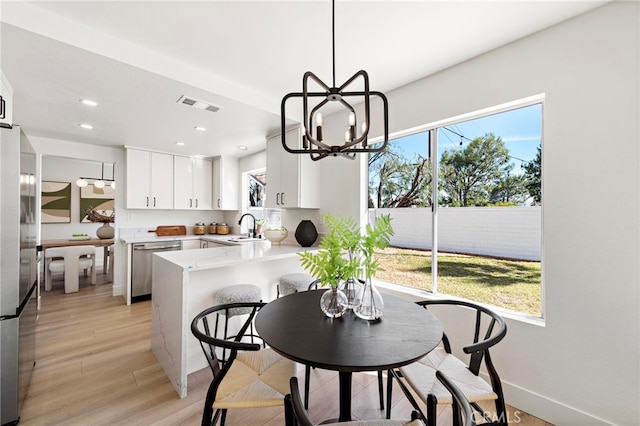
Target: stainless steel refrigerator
[18, 270]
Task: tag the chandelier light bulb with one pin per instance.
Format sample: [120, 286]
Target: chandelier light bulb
[113, 184]
[99, 184]
[352, 119]
[319, 119]
[82, 182]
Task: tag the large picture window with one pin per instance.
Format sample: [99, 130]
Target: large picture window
[467, 221]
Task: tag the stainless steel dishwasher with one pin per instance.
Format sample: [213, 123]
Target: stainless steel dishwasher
[141, 263]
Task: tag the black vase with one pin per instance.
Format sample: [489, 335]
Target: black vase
[306, 233]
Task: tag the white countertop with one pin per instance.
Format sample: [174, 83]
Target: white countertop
[209, 258]
[147, 237]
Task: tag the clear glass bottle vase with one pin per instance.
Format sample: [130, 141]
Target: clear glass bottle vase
[351, 288]
[333, 302]
[371, 304]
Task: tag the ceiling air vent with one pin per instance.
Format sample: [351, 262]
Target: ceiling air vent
[196, 103]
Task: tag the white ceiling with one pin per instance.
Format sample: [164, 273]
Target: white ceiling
[137, 58]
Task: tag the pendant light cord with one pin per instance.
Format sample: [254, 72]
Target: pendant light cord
[333, 38]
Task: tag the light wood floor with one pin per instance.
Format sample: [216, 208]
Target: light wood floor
[95, 367]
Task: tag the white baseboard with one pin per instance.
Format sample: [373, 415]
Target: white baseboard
[546, 409]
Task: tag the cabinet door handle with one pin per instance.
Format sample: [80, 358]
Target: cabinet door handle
[190, 203]
[147, 202]
[282, 198]
[218, 202]
[154, 201]
[277, 198]
[2, 107]
[196, 203]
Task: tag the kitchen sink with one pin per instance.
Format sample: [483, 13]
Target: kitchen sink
[244, 239]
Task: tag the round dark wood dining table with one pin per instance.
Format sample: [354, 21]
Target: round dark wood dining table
[295, 327]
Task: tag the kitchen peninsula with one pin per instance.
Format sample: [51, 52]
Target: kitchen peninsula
[185, 283]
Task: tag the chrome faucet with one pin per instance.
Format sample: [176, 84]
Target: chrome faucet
[252, 231]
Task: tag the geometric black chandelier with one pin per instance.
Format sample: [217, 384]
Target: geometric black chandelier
[356, 131]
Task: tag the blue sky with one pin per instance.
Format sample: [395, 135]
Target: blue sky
[520, 130]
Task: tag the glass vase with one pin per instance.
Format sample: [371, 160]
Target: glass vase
[350, 288]
[333, 302]
[371, 304]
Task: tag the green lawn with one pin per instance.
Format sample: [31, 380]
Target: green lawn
[509, 284]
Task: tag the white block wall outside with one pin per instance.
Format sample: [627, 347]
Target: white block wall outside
[510, 232]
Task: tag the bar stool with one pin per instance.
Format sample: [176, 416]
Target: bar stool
[235, 294]
[293, 283]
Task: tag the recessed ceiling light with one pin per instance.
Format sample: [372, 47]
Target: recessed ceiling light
[242, 147]
[200, 128]
[86, 126]
[180, 143]
[89, 102]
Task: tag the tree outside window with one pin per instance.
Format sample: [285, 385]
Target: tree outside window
[489, 162]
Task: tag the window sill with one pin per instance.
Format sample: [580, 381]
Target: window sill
[415, 294]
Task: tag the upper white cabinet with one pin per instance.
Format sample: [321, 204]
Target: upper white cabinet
[292, 178]
[192, 183]
[149, 180]
[226, 183]
[6, 102]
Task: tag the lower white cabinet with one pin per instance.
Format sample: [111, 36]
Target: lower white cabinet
[211, 244]
[190, 244]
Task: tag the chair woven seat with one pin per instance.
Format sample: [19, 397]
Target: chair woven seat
[246, 374]
[255, 379]
[421, 375]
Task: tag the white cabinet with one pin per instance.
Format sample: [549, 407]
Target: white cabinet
[226, 183]
[291, 178]
[192, 183]
[6, 102]
[211, 244]
[149, 180]
[190, 244]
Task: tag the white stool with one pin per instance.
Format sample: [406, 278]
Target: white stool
[74, 259]
[235, 294]
[293, 283]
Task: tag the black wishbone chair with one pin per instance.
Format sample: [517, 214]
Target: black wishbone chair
[251, 376]
[462, 411]
[296, 415]
[421, 376]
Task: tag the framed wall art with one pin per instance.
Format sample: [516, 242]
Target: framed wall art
[100, 199]
[56, 202]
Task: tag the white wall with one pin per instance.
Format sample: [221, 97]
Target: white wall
[510, 232]
[582, 366]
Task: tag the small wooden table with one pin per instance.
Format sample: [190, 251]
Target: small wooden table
[97, 242]
[295, 327]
